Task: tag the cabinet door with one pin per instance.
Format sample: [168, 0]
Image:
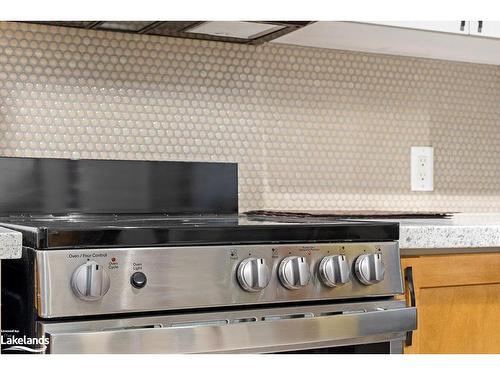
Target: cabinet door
[458, 303]
[485, 28]
[456, 27]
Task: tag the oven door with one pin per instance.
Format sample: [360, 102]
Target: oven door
[375, 327]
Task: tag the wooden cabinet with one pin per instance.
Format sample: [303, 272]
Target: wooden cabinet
[458, 303]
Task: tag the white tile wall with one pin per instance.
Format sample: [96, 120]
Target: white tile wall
[310, 128]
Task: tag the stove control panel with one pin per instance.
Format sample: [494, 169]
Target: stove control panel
[370, 268]
[334, 270]
[253, 274]
[77, 282]
[90, 282]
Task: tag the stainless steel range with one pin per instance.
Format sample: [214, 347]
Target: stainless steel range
[152, 257]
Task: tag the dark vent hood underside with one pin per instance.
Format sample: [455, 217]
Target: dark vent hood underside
[265, 30]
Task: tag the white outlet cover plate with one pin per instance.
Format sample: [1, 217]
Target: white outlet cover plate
[422, 168]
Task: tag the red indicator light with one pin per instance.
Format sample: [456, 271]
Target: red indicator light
[113, 259]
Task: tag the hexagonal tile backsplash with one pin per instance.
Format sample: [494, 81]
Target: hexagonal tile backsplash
[310, 128]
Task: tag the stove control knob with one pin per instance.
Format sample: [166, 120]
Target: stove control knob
[334, 270]
[370, 268]
[90, 282]
[253, 274]
[294, 272]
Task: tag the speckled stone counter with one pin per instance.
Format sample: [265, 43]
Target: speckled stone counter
[460, 234]
[10, 244]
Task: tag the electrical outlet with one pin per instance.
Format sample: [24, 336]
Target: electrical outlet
[422, 168]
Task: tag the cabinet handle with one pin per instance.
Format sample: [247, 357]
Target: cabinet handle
[413, 303]
[480, 27]
[462, 25]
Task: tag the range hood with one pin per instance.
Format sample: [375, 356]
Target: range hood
[245, 32]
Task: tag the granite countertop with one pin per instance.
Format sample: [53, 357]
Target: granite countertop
[10, 244]
[460, 233]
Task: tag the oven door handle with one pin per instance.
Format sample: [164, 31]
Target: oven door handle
[261, 336]
[411, 290]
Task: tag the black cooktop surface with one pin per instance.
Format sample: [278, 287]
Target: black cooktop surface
[36, 195]
[86, 231]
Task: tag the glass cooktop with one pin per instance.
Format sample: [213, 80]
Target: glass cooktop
[70, 231]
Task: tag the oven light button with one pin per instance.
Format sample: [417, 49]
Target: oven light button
[253, 274]
[334, 270]
[138, 280]
[294, 272]
[370, 268]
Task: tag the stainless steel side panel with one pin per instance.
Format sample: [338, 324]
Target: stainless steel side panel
[198, 277]
[261, 336]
